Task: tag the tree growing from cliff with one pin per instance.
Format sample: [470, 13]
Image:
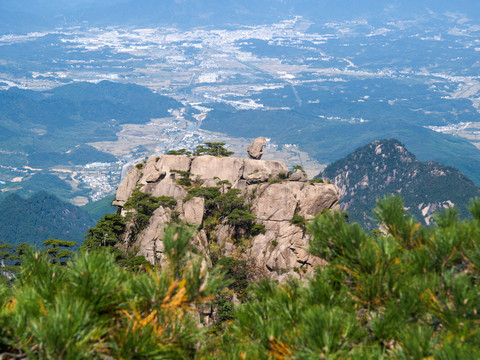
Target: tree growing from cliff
[143, 206]
[227, 206]
[214, 149]
[106, 232]
[179, 152]
[8, 262]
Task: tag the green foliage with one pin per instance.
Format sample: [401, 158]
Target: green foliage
[226, 206]
[133, 262]
[209, 194]
[179, 152]
[56, 249]
[167, 202]
[9, 263]
[225, 308]
[106, 232]
[40, 217]
[7, 252]
[144, 205]
[224, 185]
[240, 218]
[139, 166]
[23, 248]
[408, 292]
[274, 180]
[185, 177]
[214, 149]
[93, 308]
[236, 271]
[299, 167]
[299, 221]
[257, 229]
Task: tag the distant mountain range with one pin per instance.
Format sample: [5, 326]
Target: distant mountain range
[386, 167]
[36, 14]
[74, 114]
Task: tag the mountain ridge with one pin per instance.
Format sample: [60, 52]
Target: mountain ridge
[37, 15]
[385, 167]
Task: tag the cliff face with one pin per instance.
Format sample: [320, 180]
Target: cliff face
[386, 167]
[271, 194]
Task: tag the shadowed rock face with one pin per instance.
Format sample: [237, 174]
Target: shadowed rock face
[279, 253]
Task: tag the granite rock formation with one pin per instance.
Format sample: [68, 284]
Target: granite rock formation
[273, 194]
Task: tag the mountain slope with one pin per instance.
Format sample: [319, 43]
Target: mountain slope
[387, 167]
[39, 218]
[98, 209]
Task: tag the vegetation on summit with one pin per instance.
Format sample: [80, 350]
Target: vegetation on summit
[208, 148]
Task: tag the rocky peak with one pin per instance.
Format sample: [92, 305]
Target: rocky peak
[266, 188]
[385, 167]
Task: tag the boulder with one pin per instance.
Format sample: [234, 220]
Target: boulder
[167, 163]
[274, 202]
[255, 149]
[155, 177]
[315, 198]
[168, 187]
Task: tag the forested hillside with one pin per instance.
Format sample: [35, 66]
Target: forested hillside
[40, 217]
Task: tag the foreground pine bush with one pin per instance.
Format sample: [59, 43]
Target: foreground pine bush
[93, 308]
[408, 292]
[402, 292]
